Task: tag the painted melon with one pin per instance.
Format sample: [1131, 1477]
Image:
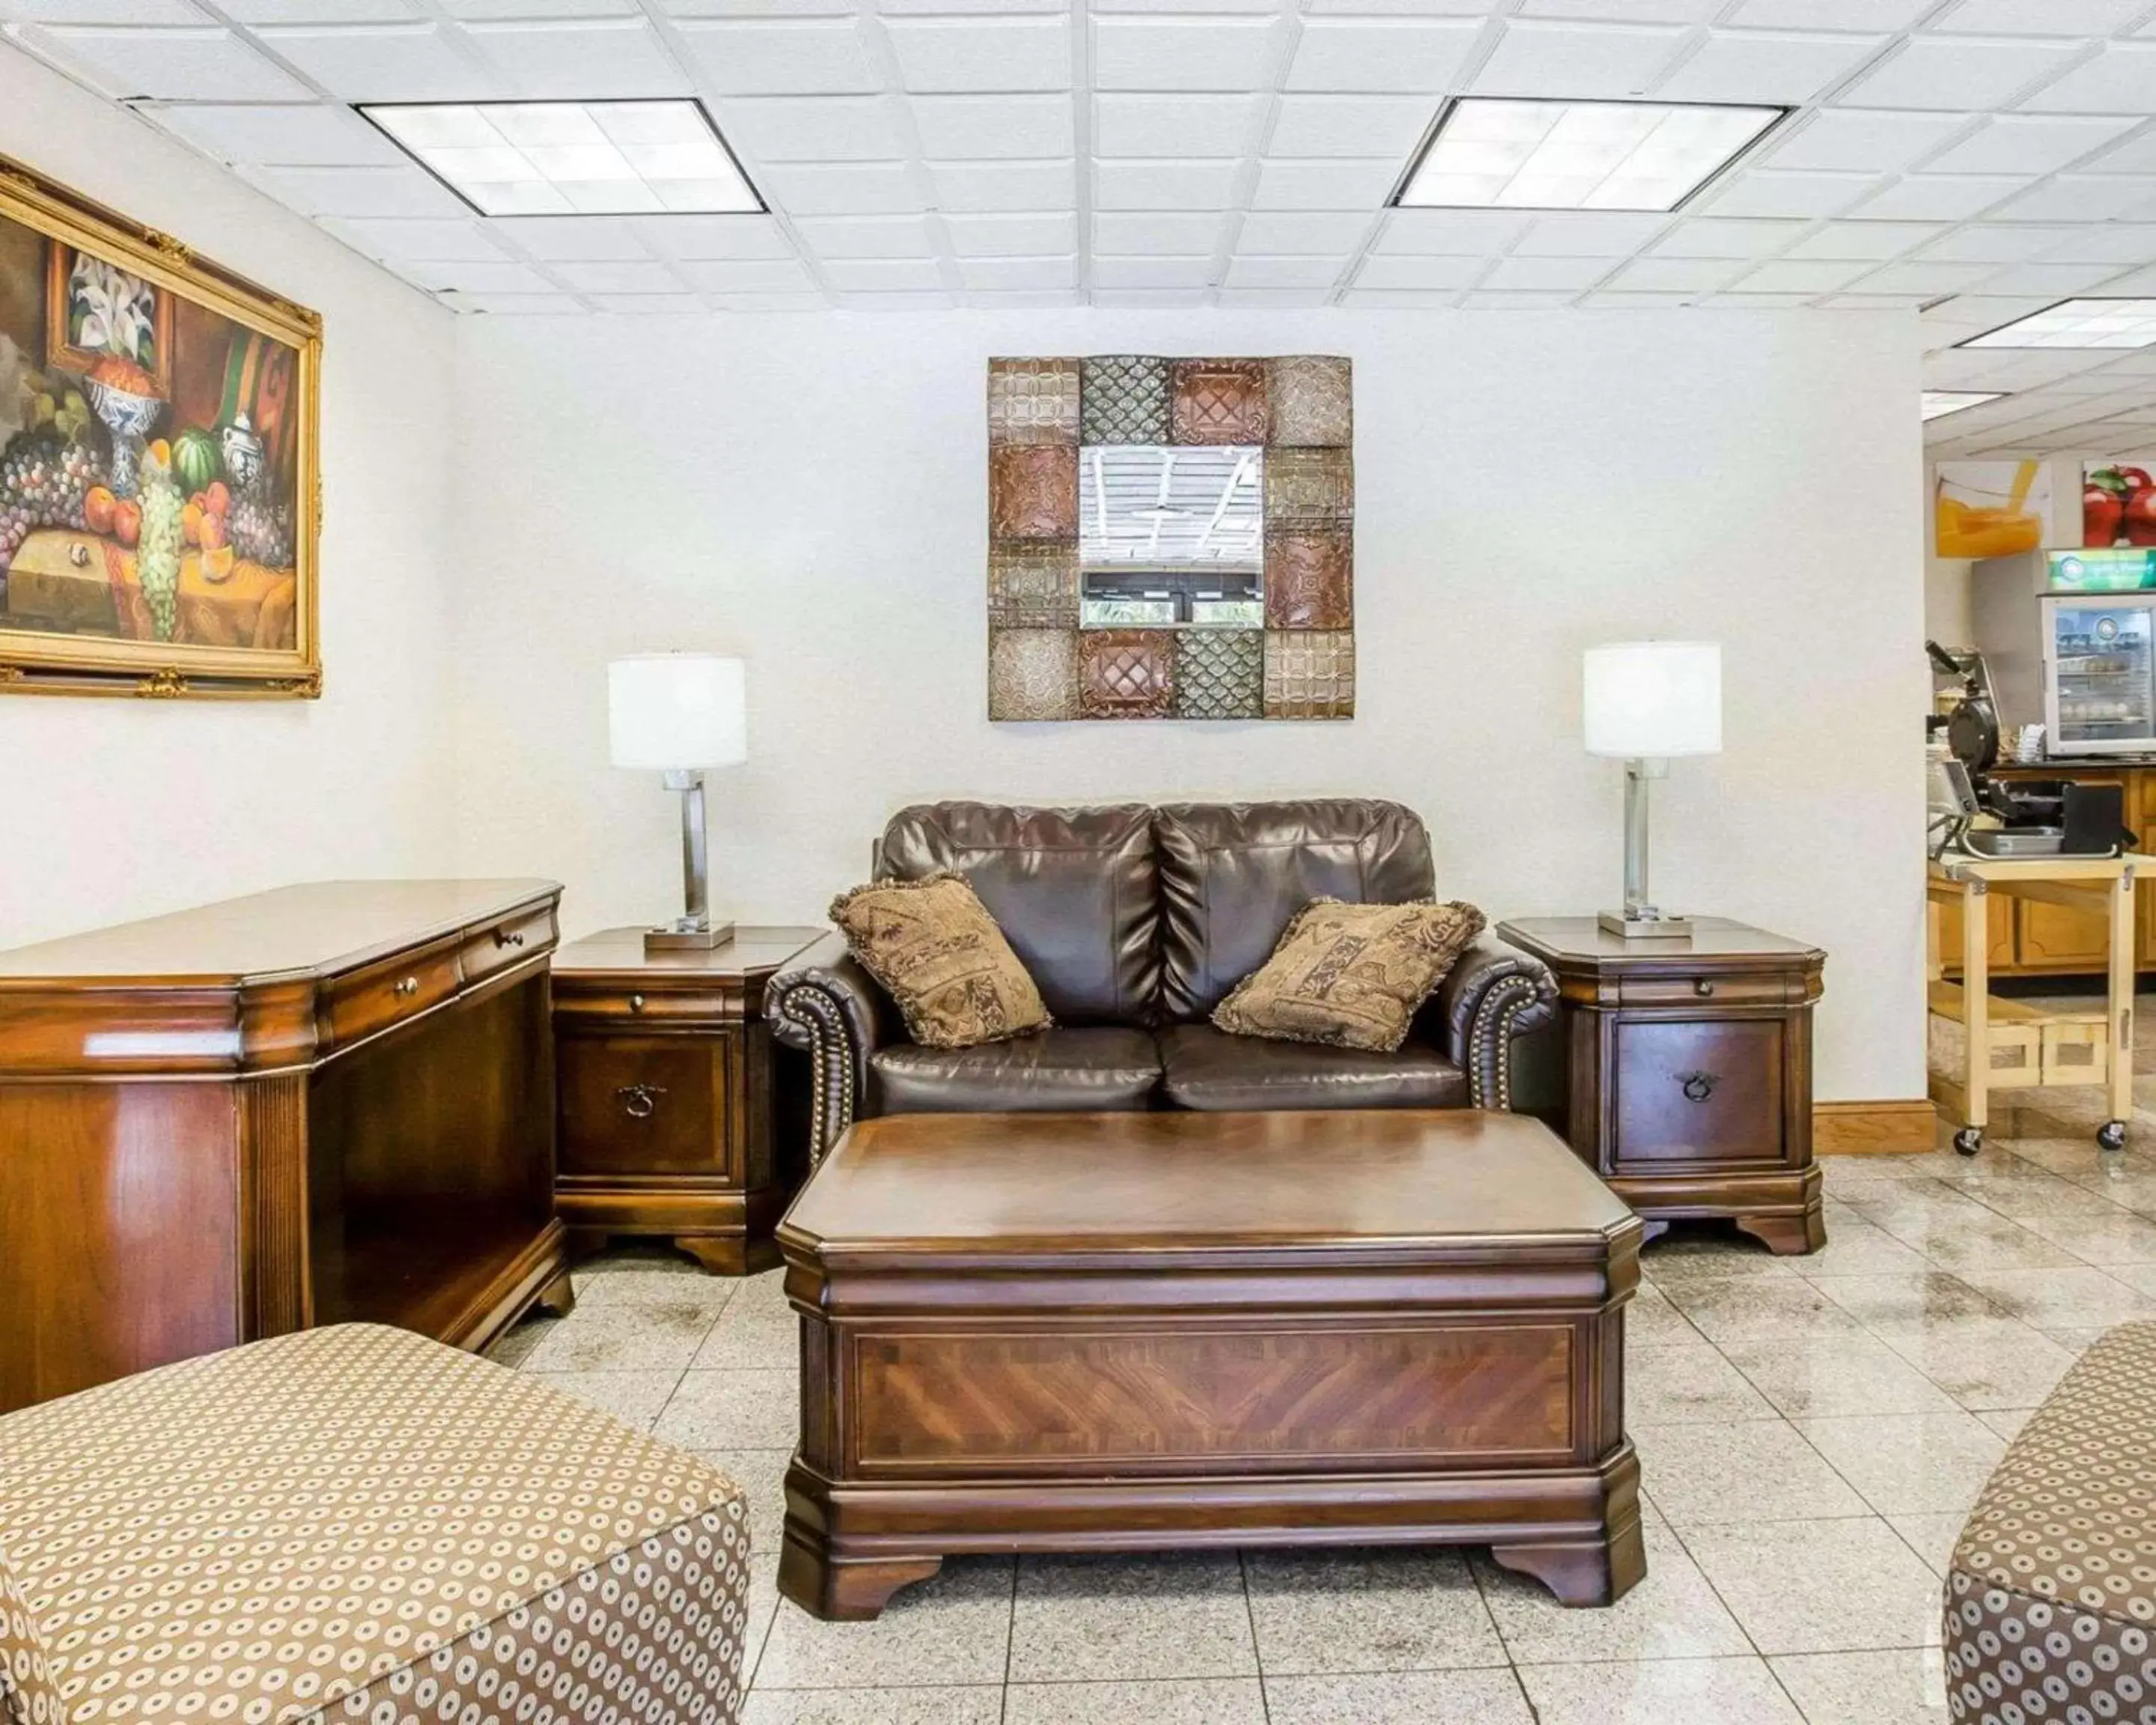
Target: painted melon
[195, 460]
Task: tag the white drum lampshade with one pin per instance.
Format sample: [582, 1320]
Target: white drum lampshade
[674, 712]
[1653, 700]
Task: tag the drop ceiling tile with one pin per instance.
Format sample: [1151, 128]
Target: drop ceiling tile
[740, 236]
[1272, 299]
[1263, 272]
[625, 277]
[1515, 301]
[1711, 237]
[2119, 242]
[422, 241]
[1022, 187]
[910, 300]
[1140, 52]
[1618, 300]
[1938, 197]
[1590, 234]
[1336, 184]
[761, 8]
[1399, 299]
[883, 274]
[1760, 66]
[1295, 233]
[1008, 273]
[2136, 156]
[1549, 58]
[280, 134]
[1152, 272]
[2137, 284]
[359, 191]
[2084, 197]
[867, 236]
[1783, 276]
[1968, 72]
[1012, 236]
[1856, 140]
[1764, 192]
[202, 65]
[1146, 233]
[1144, 298]
[747, 275]
[1417, 9]
[1548, 275]
[2057, 281]
[1625, 12]
[1134, 184]
[1420, 272]
[1994, 242]
[317, 12]
[765, 302]
[1156, 6]
[2023, 144]
[1676, 275]
[782, 56]
[1361, 55]
[504, 276]
[814, 128]
[2039, 17]
[981, 54]
[571, 239]
[103, 11]
[864, 188]
[981, 128]
[1857, 241]
[1450, 232]
[1170, 126]
[1349, 126]
[1829, 14]
[516, 304]
[487, 9]
[586, 60]
[1023, 298]
[2119, 80]
[393, 63]
[649, 304]
[1927, 278]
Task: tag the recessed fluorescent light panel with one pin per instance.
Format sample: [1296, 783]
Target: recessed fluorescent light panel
[573, 159]
[2077, 323]
[1489, 152]
[1939, 402]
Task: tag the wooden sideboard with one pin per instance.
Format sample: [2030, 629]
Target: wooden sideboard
[2032, 939]
[328, 1103]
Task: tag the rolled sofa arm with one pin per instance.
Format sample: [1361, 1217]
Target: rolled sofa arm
[822, 1000]
[1494, 994]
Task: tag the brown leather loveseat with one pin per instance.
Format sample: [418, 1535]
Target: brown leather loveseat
[1135, 923]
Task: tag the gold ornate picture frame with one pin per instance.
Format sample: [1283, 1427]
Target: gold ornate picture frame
[160, 463]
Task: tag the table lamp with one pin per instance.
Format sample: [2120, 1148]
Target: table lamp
[1646, 703]
[676, 714]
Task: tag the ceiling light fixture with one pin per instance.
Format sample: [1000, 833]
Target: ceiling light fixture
[627, 159]
[1939, 402]
[1505, 153]
[2076, 323]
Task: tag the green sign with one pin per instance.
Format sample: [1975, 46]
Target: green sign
[2100, 569]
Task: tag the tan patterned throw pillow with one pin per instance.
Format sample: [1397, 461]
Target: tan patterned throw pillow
[933, 946]
[1351, 975]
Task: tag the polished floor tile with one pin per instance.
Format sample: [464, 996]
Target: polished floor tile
[733, 1411]
[658, 1335]
[1820, 1587]
[1368, 1610]
[1910, 1463]
[1688, 1385]
[1849, 1374]
[1729, 1692]
[953, 1629]
[1206, 1700]
[1906, 1686]
[633, 1398]
[1748, 1470]
[1490, 1697]
[1181, 1615]
[1673, 1614]
[939, 1704]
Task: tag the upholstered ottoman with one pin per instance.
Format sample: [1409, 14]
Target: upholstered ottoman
[2050, 1607]
[354, 1524]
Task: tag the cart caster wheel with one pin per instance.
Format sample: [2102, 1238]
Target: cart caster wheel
[1969, 1140]
[2111, 1135]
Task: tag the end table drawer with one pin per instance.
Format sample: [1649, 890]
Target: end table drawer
[635, 1105]
[1699, 1090]
[1716, 991]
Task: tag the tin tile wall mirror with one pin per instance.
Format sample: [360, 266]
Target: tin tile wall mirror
[1171, 538]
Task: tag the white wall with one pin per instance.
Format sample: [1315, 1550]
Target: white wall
[114, 808]
[810, 491]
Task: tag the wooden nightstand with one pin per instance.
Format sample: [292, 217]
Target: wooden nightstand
[1691, 1070]
[663, 1068]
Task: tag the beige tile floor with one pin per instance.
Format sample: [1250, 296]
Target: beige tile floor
[1811, 1433]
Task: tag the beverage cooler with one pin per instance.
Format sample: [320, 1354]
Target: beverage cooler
[2070, 637]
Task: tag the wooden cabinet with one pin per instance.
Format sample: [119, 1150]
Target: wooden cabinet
[1689, 1070]
[664, 1072]
[327, 1103]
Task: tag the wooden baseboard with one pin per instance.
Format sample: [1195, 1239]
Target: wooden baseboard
[1873, 1128]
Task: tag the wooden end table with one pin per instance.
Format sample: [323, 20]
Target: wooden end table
[1078, 1333]
[1690, 1069]
[663, 1066]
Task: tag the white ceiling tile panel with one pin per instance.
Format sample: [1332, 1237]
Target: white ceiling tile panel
[1147, 298]
[1938, 197]
[2136, 156]
[1024, 186]
[588, 59]
[571, 239]
[411, 63]
[502, 277]
[2023, 144]
[2120, 242]
[2119, 80]
[764, 8]
[418, 241]
[909, 301]
[1618, 300]
[993, 236]
[1140, 233]
[1291, 233]
[320, 12]
[1626, 12]
[626, 277]
[1829, 14]
[1170, 6]
[205, 65]
[1349, 126]
[1552, 58]
[2039, 17]
[1449, 274]
[1925, 278]
[1762, 66]
[1765, 191]
[1399, 299]
[1263, 272]
[1152, 272]
[648, 305]
[1148, 52]
[1707, 237]
[103, 11]
[2084, 197]
[1334, 184]
[980, 54]
[746, 276]
[1515, 301]
[2057, 281]
[867, 236]
[490, 9]
[1678, 276]
[1451, 232]
[713, 236]
[981, 128]
[885, 274]
[359, 191]
[1007, 274]
[1360, 54]
[1788, 276]
[1874, 240]
[783, 56]
[1134, 184]
[867, 188]
[1401, 8]
[281, 136]
[1968, 72]
[1271, 299]
[517, 304]
[1548, 275]
[2137, 284]
[813, 128]
[1590, 234]
[1848, 139]
[1165, 125]
[1994, 242]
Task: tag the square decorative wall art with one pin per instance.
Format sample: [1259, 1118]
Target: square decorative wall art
[1171, 538]
[158, 462]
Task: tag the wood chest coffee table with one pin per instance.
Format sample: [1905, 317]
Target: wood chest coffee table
[1080, 1332]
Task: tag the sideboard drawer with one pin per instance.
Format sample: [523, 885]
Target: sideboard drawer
[643, 1105]
[364, 1001]
[1699, 1090]
[507, 944]
[1718, 991]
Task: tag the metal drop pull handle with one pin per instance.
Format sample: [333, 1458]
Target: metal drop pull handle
[509, 937]
[409, 987]
[1698, 1087]
[640, 1101]
[636, 1003]
[1702, 987]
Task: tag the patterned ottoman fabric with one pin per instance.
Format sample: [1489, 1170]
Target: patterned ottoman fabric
[355, 1524]
[2051, 1599]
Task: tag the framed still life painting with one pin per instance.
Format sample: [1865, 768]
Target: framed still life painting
[159, 481]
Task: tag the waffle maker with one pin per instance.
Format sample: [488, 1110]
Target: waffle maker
[2032, 812]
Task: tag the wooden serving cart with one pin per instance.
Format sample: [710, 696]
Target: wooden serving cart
[2010, 1044]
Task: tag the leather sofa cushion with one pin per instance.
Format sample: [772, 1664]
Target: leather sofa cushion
[1075, 891]
[1234, 874]
[1086, 1068]
[1208, 1069]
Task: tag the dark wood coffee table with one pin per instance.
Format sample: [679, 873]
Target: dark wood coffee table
[1081, 1332]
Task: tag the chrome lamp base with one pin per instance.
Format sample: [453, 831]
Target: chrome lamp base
[694, 931]
[1640, 920]
[673, 937]
[1652, 926]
